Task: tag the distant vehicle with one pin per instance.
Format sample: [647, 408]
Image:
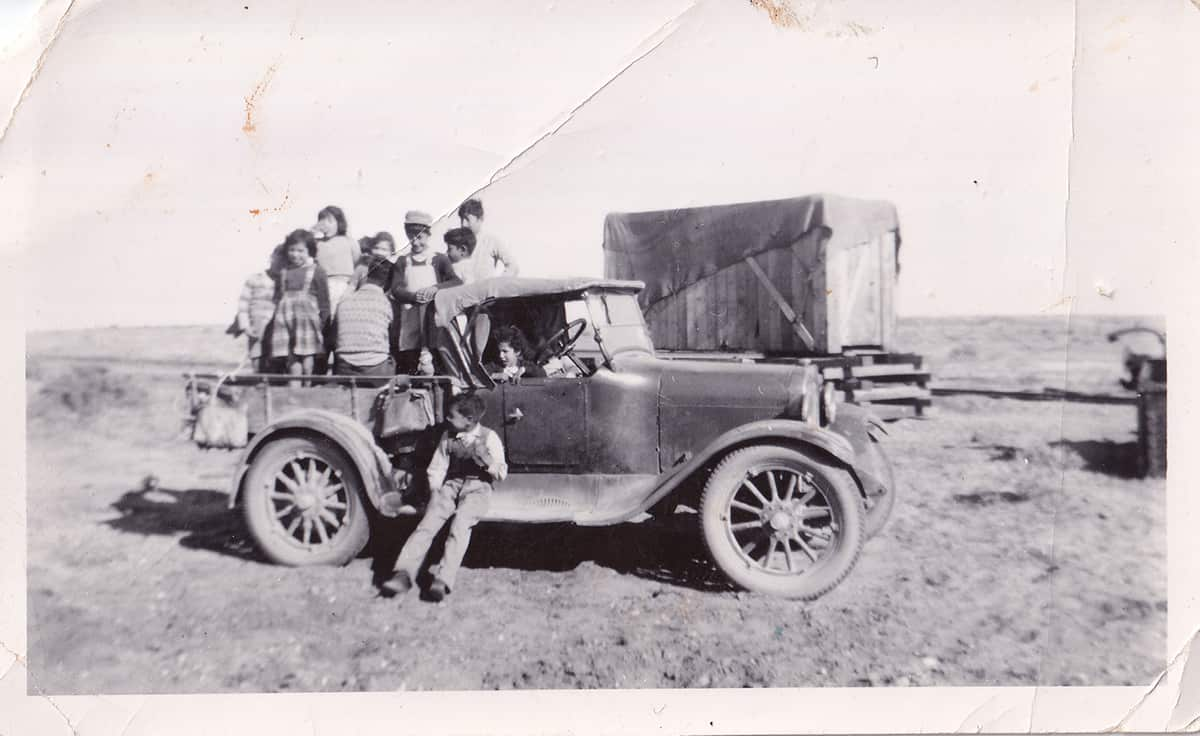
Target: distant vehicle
[786, 483]
[1148, 377]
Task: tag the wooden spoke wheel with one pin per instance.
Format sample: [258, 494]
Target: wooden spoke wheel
[303, 503]
[780, 522]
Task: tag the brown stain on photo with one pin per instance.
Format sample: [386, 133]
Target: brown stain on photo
[779, 11]
[783, 15]
[287, 198]
[249, 126]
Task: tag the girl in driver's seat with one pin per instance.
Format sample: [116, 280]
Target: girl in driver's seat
[513, 351]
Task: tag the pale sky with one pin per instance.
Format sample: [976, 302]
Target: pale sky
[130, 171]
[15, 15]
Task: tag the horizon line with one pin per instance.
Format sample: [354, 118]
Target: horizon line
[982, 315]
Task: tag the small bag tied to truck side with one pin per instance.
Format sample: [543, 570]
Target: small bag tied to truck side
[218, 416]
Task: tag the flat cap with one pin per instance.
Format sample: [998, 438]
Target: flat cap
[417, 217]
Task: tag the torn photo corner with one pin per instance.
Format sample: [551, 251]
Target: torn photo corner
[782, 366]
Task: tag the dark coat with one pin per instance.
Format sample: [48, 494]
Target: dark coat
[532, 369]
[398, 283]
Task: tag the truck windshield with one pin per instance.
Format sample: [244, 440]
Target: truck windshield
[619, 326]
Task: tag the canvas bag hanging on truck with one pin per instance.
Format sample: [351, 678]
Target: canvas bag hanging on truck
[218, 419]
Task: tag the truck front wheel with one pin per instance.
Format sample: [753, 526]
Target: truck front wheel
[778, 521]
[303, 503]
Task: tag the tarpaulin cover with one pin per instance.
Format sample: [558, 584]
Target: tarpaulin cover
[672, 249]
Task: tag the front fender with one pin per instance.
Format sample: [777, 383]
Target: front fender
[862, 429]
[857, 425]
[832, 444]
[353, 438]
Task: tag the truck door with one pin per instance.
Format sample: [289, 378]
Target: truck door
[545, 424]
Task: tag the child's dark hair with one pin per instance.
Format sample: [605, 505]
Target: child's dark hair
[470, 207]
[412, 230]
[461, 237]
[470, 405]
[383, 235]
[515, 338]
[365, 244]
[338, 216]
[301, 236]
[378, 271]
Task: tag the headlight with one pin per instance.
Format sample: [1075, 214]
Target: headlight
[804, 395]
[829, 402]
[806, 406]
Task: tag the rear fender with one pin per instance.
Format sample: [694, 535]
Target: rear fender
[354, 439]
[829, 445]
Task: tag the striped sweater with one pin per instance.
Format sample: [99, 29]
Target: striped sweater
[256, 307]
[365, 324]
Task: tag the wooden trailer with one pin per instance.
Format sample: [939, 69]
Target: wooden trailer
[803, 278]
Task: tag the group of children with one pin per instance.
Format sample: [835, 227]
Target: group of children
[323, 293]
[359, 307]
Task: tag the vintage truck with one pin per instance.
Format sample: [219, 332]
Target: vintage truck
[786, 484]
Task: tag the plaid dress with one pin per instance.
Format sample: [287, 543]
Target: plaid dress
[298, 326]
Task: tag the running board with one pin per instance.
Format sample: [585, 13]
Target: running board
[564, 497]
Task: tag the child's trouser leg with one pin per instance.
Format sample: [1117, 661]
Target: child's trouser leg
[473, 503]
[483, 328]
[440, 508]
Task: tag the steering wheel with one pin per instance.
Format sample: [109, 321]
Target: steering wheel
[561, 342]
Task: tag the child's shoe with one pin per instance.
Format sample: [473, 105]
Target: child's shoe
[399, 584]
[438, 590]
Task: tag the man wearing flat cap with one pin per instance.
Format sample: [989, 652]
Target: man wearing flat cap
[416, 277]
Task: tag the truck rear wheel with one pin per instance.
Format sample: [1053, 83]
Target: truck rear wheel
[780, 522]
[303, 503]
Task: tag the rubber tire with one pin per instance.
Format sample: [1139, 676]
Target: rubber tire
[879, 513]
[260, 479]
[845, 503]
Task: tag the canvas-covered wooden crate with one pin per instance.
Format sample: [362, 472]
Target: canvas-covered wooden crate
[803, 276]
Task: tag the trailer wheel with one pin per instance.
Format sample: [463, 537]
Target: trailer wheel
[780, 522]
[880, 506]
[303, 503]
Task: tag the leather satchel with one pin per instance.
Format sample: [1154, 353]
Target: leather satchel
[403, 412]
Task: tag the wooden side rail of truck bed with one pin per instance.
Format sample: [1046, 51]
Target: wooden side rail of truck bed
[269, 396]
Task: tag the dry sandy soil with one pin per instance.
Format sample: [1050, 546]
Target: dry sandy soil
[1022, 551]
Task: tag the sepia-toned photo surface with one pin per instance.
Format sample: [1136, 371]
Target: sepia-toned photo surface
[716, 367]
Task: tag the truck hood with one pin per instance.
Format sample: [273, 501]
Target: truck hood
[700, 400]
[719, 384]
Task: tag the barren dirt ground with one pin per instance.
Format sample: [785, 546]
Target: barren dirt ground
[1021, 551]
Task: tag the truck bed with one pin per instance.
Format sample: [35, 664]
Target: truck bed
[268, 397]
